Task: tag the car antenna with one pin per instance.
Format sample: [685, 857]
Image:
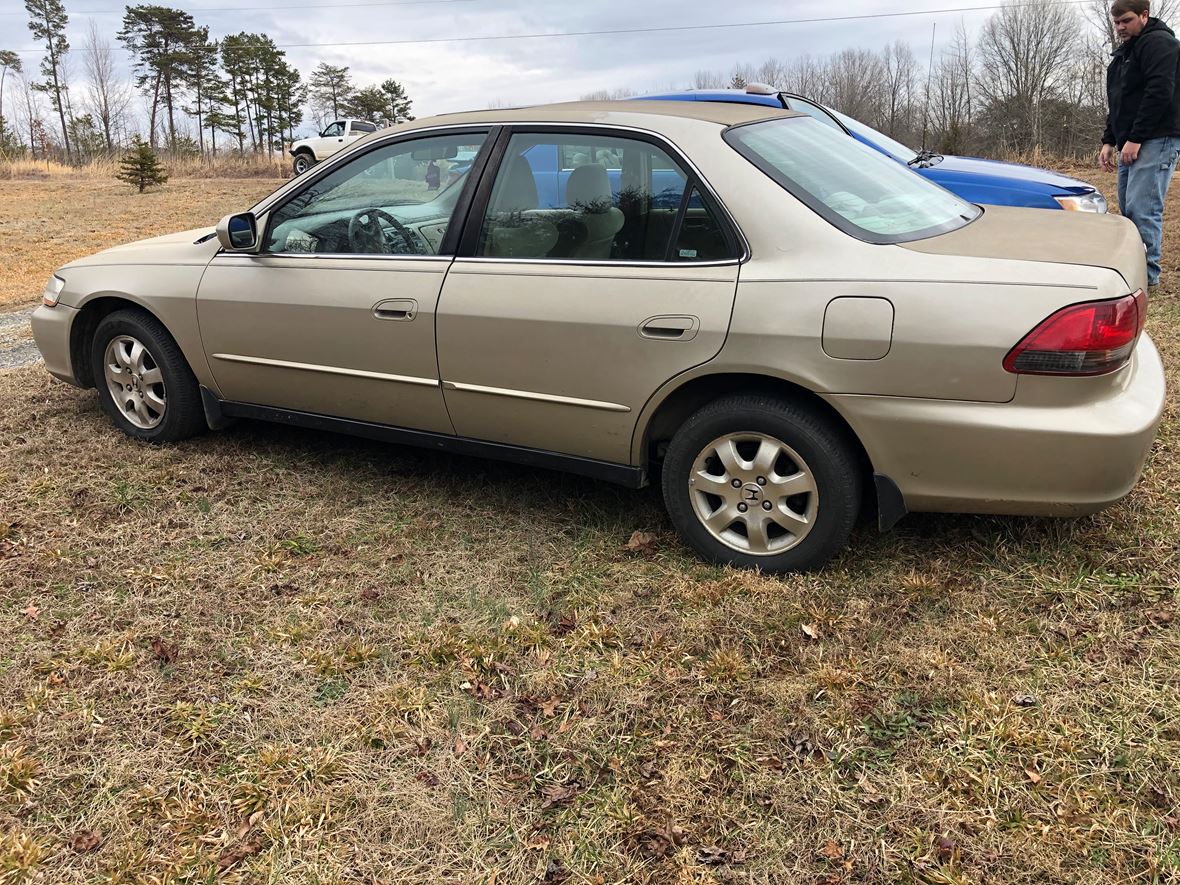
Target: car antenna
[929, 73]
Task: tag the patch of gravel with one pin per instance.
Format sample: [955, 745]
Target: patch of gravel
[16, 339]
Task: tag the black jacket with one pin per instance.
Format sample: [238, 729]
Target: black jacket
[1141, 87]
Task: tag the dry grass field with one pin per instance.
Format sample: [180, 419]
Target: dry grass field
[278, 656]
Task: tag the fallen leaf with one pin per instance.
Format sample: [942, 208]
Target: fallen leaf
[661, 841]
[559, 794]
[369, 594]
[537, 842]
[460, 747]
[164, 653]
[641, 542]
[1025, 700]
[31, 612]
[57, 629]
[86, 840]
[716, 716]
[649, 770]
[537, 733]
[549, 707]
[811, 631]
[711, 855]
[831, 850]
[555, 873]
[426, 777]
[1032, 775]
[235, 855]
[422, 745]
[946, 849]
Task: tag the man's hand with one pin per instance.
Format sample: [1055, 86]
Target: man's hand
[1106, 157]
[1130, 153]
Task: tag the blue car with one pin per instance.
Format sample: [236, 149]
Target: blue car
[973, 179]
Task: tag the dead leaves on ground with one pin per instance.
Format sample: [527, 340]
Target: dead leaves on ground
[163, 652]
[85, 841]
[643, 543]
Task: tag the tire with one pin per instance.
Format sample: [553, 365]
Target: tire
[302, 163]
[144, 382]
[807, 463]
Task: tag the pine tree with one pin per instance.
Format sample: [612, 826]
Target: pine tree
[47, 21]
[141, 167]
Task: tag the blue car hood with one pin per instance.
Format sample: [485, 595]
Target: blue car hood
[1010, 172]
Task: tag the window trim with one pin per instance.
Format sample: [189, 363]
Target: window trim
[824, 211]
[477, 211]
[446, 248]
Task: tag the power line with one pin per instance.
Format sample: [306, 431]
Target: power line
[288, 7]
[666, 29]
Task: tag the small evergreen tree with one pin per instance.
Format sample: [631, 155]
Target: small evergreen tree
[141, 167]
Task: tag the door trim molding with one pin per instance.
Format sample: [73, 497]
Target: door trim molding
[540, 397]
[328, 370]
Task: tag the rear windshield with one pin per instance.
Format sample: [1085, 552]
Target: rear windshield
[859, 190]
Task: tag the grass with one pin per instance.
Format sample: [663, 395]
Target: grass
[270, 655]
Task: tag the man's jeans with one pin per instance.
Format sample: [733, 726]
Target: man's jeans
[1142, 188]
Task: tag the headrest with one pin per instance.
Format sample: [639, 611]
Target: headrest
[588, 189]
[520, 188]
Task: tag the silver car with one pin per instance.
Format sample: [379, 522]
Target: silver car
[776, 323]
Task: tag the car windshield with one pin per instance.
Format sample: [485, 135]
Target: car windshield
[854, 187]
[892, 147]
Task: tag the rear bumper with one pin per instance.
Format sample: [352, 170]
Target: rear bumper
[51, 331]
[1061, 447]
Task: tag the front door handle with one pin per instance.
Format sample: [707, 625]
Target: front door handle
[401, 309]
[670, 328]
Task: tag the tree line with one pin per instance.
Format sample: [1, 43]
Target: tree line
[200, 96]
[1031, 80]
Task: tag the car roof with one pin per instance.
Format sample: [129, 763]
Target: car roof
[629, 112]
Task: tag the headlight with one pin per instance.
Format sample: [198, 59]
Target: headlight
[52, 291]
[1091, 202]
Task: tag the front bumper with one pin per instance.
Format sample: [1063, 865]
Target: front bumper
[51, 331]
[1061, 447]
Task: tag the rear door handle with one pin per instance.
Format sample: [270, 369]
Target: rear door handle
[670, 328]
[401, 309]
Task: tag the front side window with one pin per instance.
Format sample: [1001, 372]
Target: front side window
[854, 187]
[395, 200]
[600, 198]
[333, 131]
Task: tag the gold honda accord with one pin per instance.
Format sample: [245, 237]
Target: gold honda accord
[779, 325]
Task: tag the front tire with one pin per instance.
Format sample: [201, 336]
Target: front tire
[758, 482]
[144, 382]
[302, 163]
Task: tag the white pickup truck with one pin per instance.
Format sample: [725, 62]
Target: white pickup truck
[306, 152]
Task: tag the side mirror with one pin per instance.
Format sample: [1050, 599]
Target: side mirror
[238, 233]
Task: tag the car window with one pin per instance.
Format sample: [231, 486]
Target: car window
[806, 107]
[701, 237]
[860, 190]
[363, 127]
[569, 197]
[395, 200]
[333, 131]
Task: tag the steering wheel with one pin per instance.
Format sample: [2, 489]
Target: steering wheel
[366, 236]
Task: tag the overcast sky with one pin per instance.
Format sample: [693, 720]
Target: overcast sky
[452, 76]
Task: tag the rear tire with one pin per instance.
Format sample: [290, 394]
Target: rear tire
[797, 492]
[144, 382]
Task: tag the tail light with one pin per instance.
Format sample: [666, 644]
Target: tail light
[1092, 338]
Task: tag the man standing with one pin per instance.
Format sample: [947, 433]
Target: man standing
[1143, 126]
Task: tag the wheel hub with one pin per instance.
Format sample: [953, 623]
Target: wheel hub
[753, 493]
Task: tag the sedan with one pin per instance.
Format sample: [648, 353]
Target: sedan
[807, 331]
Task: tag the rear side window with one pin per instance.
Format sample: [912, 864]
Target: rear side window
[859, 190]
[363, 127]
[602, 198]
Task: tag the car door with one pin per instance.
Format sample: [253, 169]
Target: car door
[557, 323]
[335, 314]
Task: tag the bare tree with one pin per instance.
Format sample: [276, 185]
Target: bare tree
[1027, 53]
[951, 111]
[709, 80]
[608, 94]
[29, 111]
[856, 77]
[107, 98]
[807, 76]
[900, 67]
